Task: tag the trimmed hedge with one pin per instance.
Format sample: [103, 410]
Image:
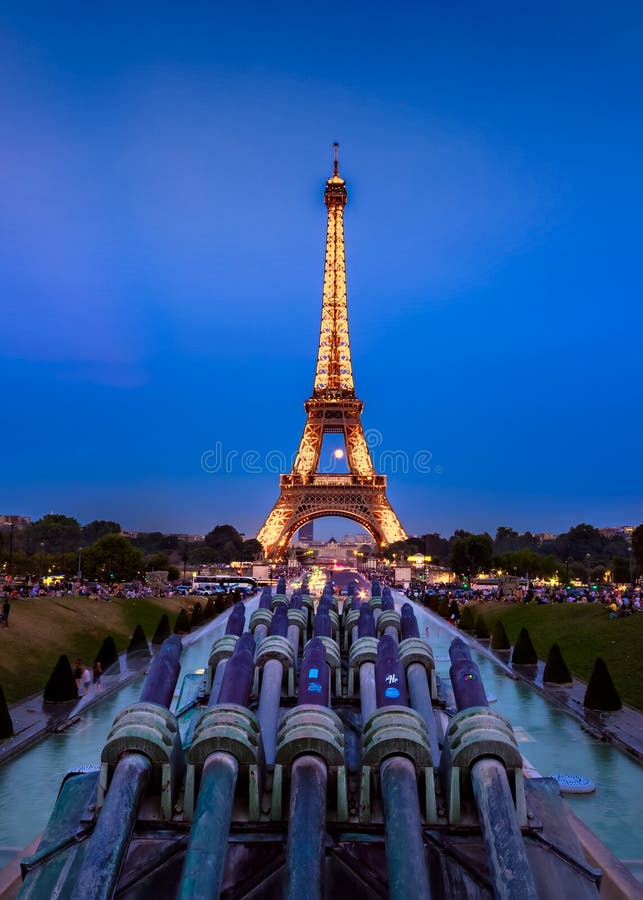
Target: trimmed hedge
[467, 619]
[6, 725]
[210, 610]
[197, 615]
[182, 624]
[163, 630]
[556, 671]
[482, 631]
[601, 693]
[107, 656]
[524, 653]
[499, 638]
[138, 642]
[61, 686]
[443, 608]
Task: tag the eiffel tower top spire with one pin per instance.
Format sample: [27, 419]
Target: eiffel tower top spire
[334, 373]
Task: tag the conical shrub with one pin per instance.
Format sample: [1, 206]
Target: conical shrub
[138, 641]
[6, 725]
[601, 693]
[482, 631]
[434, 603]
[467, 619]
[163, 630]
[210, 610]
[524, 653]
[197, 615]
[107, 656]
[182, 624]
[499, 638]
[62, 684]
[443, 608]
[556, 671]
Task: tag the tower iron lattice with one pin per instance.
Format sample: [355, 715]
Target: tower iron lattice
[305, 493]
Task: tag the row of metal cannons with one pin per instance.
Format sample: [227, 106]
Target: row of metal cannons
[286, 760]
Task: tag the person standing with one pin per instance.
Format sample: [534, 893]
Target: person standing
[78, 675]
[87, 680]
[6, 608]
[97, 671]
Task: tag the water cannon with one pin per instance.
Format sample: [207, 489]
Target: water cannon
[236, 619]
[409, 622]
[279, 624]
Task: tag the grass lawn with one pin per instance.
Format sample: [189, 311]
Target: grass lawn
[42, 628]
[583, 632]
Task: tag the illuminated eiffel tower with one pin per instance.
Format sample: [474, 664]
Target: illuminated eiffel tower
[305, 493]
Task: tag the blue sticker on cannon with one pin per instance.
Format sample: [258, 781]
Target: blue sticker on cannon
[392, 693]
[314, 688]
[313, 673]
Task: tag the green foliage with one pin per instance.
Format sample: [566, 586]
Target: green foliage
[173, 573]
[620, 569]
[138, 641]
[197, 615]
[209, 611]
[61, 686]
[482, 629]
[97, 529]
[226, 543]
[467, 620]
[108, 655]
[527, 561]
[163, 630]
[499, 638]
[601, 693]
[158, 562]
[58, 533]
[471, 554]
[112, 558]
[524, 653]
[6, 725]
[443, 608]
[556, 671]
[251, 550]
[182, 624]
[637, 545]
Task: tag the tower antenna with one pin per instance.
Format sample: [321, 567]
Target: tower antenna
[336, 158]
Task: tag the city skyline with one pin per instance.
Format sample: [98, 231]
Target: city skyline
[164, 257]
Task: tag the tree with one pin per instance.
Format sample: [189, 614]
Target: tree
[601, 693]
[163, 630]
[112, 557]
[637, 545]
[6, 725]
[57, 532]
[226, 542]
[97, 529]
[61, 685]
[158, 562]
[556, 671]
[471, 554]
[524, 653]
[107, 656]
[437, 547]
[620, 570]
[251, 550]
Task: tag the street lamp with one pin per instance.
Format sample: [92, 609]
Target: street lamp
[11, 552]
[79, 574]
[589, 576]
[42, 550]
[242, 536]
[631, 568]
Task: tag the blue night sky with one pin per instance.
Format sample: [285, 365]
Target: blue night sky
[162, 238]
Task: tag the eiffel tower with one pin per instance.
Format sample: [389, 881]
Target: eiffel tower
[305, 493]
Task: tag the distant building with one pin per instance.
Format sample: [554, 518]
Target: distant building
[129, 534]
[543, 536]
[306, 532]
[191, 538]
[624, 531]
[16, 521]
